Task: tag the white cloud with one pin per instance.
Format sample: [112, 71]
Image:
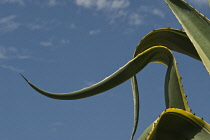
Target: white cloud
[135, 19]
[85, 3]
[56, 126]
[46, 43]
[12, 53]
[72, 26]
[2, 53]
[64, 41]
[158, 12]
[114, 9]
[12, 68]
[119, 10]
[8, 24]
[42, 24]
[34, 26]
[55, 43]
[118, 4]
[20, 2]
[52, 2]
[103, 4]
[151, 10]
[94, 32]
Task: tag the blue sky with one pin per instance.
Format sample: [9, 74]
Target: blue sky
[65, 45]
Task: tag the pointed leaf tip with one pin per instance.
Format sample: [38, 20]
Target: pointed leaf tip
[24, 77]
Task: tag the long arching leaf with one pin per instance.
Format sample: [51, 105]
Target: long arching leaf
[196, 26]
[153, 54]
[183, 45]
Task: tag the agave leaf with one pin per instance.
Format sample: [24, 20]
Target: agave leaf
[196, 26]
[158, 54]
[136, 104]
[174, 39]
[177, 124]
[153, 54]
[178, 42]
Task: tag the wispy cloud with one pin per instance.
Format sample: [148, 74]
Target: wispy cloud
[104, 4]
[113, 8]
[144, 9]
[71, 26]
[119, 9]
[12, 53]
[11, 68]
[2, 53]
[158, 12]
[46, 43]
[8, 23]
[42, 24]
[52, 2]
[140, 16]
[35, 26]
[55, 42]
[135, 19]
[20, 2]
[94, 32]
[55, 126]
[64, 41]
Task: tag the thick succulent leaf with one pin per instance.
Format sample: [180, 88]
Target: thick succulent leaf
[173, 39]
[153, 54]
[177, 124]
[176, 40]
[179, 42]
[196, 26]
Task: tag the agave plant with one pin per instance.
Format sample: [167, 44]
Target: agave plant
[176, 122]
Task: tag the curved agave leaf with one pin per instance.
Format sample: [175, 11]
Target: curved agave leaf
[153, 54]
[196, 26]
[183, 45]
[177, 124]
[176, 40]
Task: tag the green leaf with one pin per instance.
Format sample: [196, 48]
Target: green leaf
[176, 40]
[136, 104]
[156, 54]
[153, 54]
[173, 39]
[196, 26]
[177, 124]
